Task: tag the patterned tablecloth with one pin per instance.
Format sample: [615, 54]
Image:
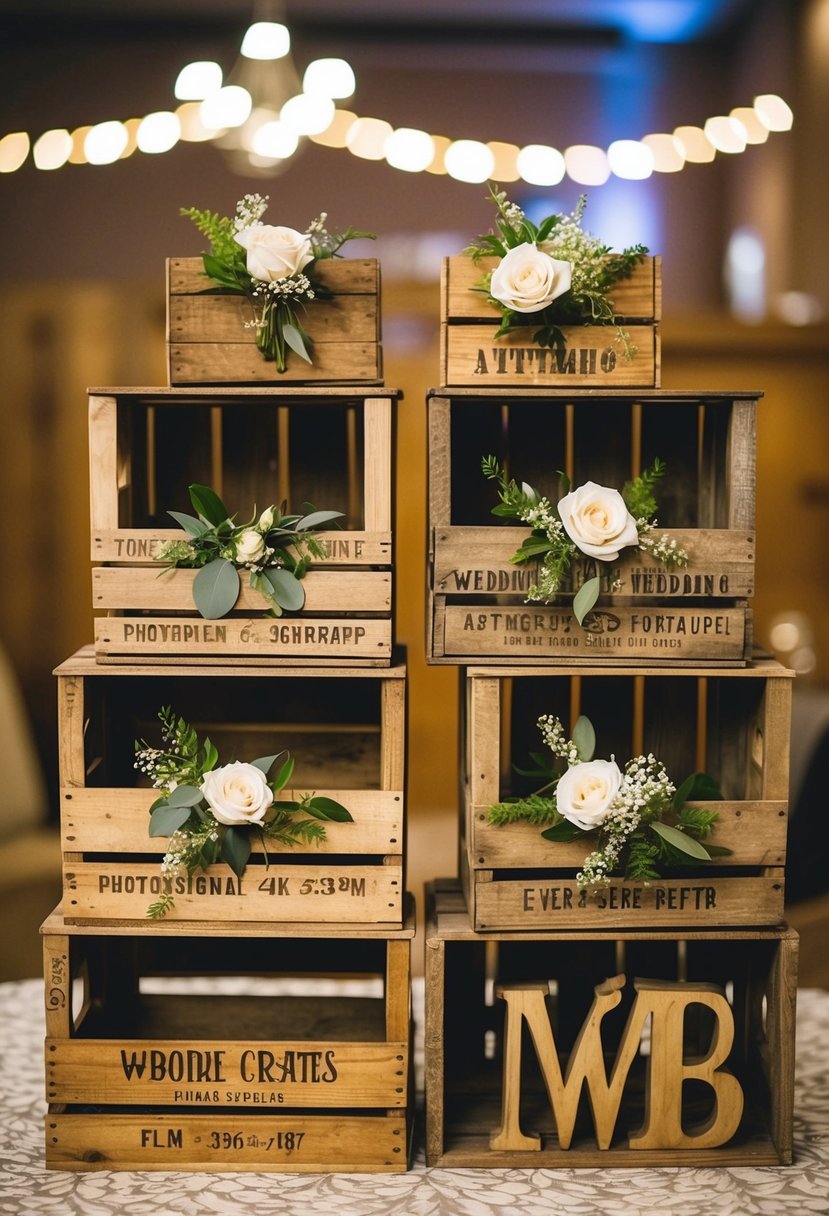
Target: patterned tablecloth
[27, 1188]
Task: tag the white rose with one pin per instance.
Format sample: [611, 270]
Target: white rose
[237, 793]
[275, 253]
[597, 521]
[527, 279]
[585, 793]
[249, 546]
[265, 520]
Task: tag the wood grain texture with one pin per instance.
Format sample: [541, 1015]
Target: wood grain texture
[85, 663]
[197, 363]
[138, 546]
[343, 276]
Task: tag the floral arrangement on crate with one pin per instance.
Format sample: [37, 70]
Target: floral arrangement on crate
[218, 548]
[273, 266]
[624, 811]
[210, 813]
[554, 270]
[593, 520]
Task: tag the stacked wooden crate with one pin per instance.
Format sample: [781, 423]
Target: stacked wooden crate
[279, 1035]
[663, 664]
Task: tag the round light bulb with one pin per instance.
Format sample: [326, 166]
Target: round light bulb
[630, 159]
[158, 132]
[105, 142]
[329, 78]
[307, 114]
[266, 40]
[540, 165]
[52, 150]
[467, 160]
[198, 80]
[229, 107]
[409, 149]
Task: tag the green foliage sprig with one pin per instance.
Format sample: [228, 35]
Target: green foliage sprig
[595, 269]
[549, 543]
[185, 814]
[647, 827]
[218, 547]
[275, 302]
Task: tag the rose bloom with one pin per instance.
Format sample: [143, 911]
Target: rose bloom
[275, 253]
[585, 793]
[237, 793]
[527, 279]
[249, 546]
[597, 521]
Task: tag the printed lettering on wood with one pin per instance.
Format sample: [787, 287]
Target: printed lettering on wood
[665, 1003]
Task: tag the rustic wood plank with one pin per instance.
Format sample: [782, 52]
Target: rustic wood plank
[637, 296]
[57, 984]
[142, 589]
[392, 736]
[297, 1143]
[398, 994]
[473, 357]
[774, 739]
[103, 457]
[85, 663]
[780, 1034]
[343, 276]
[110, 820]
[378, 466]
[136, 546]
[483, 739]
[122, 891]
[346, 1074]
[71, 717]
[475, 561]
[741, 459]
[754, 831]
[440, 460]
[225, 318]
[241, 363]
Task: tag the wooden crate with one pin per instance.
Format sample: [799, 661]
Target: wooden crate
[477, 597]
[732, 724]
[330, 447]
[470, 354]
[464, 1036]
[346, 730]
[208, 342]
[231, 1050]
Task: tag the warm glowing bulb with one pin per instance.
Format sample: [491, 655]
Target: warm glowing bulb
[307, 113]
[193, 129]
[78, 155]
[467, 160]
[773, 112]
[756, 133]
[266, 40]
[667, 153]
[105, 143]
[630, 159]
[587, 164]
[336, 133]
[505, 168]
[158, 132]
[409, 149]
[14, 149]
[540, 165]
[696, 146]
[274, 140]
[442, 145]
[198, 80]
[52, 149]
[367, 137]
[726, 134]
[329, 78]
[229, 107]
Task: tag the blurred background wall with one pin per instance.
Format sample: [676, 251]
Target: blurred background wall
[744, 243]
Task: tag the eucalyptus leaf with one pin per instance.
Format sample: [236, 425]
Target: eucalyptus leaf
[168, 819]
[265, 763]
[286, 771]
[295, 340]
[681, 840]
[216, 588]
[315, 519]
[563, 833]
[208, 504]
[211, 755]
[287, 589]
[236, 850]
[327, 808]
[191, 525]
[184, 795]
[584, 737]
[585, 598]
[528, 490]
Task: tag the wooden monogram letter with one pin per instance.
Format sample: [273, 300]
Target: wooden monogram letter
[665, 1003]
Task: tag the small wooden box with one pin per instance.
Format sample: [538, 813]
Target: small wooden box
[227, 1049]
[330, 447]
[209, 340]
[733, 725]
[346, 732]
[478, 610]
[594, 356]
[464, 1036]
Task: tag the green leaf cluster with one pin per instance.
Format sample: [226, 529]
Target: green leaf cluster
[639, 494]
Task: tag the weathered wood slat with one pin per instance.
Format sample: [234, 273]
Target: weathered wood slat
[260, 1142]
[754, 831]
[218, 318]
[343, 276]
[145, 589]
[110, 820]
[323, 892]
[241, 363]
[135, 546]
[313, 639]
[476, 560]
[637, 296]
